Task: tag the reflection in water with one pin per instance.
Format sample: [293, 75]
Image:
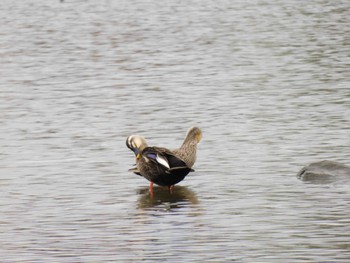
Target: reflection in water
[162, 199]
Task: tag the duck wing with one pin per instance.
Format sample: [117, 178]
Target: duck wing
[161, 166]
[166, 159]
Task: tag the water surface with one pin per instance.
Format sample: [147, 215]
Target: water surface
[268, 83]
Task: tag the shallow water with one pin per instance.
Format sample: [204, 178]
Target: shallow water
[268, 83]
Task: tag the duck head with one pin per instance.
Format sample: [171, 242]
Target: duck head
[136, 143]
[194, 134]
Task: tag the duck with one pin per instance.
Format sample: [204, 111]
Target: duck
[163, 166]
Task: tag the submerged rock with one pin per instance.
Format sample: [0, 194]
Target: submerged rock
[324, 171]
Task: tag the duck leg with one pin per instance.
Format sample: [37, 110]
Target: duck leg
[151, 187]
[171, 187]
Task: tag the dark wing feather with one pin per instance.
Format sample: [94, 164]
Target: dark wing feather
[173, 160]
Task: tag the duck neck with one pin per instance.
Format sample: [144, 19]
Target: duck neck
[188, 152]
[189, 146]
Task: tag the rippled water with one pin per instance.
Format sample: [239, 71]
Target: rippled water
[268, 82]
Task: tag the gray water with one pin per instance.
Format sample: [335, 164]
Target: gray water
[268, 83]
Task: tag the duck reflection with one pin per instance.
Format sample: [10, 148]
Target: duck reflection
[163, 199]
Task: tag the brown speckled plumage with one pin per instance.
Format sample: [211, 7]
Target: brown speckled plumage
[188, 149]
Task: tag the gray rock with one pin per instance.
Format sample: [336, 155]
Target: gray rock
[324, 172]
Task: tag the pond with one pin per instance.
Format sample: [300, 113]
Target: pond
[267, 82]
